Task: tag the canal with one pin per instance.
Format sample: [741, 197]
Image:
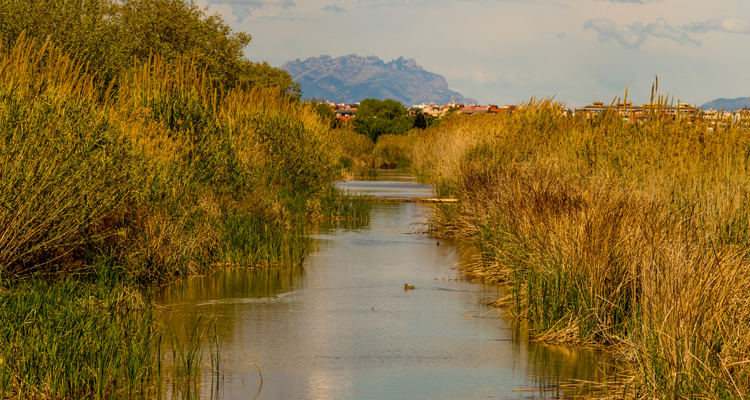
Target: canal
[344, 327]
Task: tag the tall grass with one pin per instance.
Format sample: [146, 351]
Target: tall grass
[392, 150]
[250, 241]
[106, 191]
[335, 205]
[355, 151]
[66, 170]
[148, 169]
[633, 237]
[74, 340]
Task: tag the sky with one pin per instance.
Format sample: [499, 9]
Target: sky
[505, 51]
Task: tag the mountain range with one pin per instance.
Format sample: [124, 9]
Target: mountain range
[352, 78]
[727, 104]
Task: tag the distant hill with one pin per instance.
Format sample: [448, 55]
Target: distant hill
[351, 79]
[728, 104]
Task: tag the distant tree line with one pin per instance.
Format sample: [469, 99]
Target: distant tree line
[112, 35]
[387, 117]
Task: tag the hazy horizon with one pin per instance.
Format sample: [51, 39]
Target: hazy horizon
[504, 51]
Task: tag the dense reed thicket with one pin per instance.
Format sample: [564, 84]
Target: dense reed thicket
[632, 237]
[392, 150]
[105, 191]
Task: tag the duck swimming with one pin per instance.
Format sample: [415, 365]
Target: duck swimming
[407, 286]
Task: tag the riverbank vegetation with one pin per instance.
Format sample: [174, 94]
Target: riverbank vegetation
[628, 237]
[120, 176]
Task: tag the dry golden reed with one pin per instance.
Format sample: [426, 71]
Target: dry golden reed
[392, 149]
[629, 236]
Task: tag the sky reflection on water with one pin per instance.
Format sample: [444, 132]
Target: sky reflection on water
[343, 327]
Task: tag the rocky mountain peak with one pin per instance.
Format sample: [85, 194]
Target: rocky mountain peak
[353, 78]
[727, 104]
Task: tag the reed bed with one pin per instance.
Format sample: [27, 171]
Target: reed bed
[355, 151]
[336, 205]
[107, 191]
[392, 151]
[74, 340]
[249, 240]
[64, 168]
[630, 237]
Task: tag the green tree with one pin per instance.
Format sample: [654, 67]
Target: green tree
[379, 117]
[262, 74]
[171, 28]
[109, 35]
[374, 108]
[86, 28]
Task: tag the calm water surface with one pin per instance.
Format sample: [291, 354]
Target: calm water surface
[343, 327]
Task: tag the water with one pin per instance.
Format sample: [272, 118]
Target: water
[390, 185]
[343, 327]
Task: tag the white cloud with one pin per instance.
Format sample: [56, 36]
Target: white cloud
[515, 80]
[244, 8]
[724, 24]
[333, 8]
[474, 75]
[482, 77]
[633, 35]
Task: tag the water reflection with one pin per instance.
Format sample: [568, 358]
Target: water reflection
[344, 327]
[234, 284]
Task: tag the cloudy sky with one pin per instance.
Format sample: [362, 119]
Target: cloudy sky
[504, 51]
